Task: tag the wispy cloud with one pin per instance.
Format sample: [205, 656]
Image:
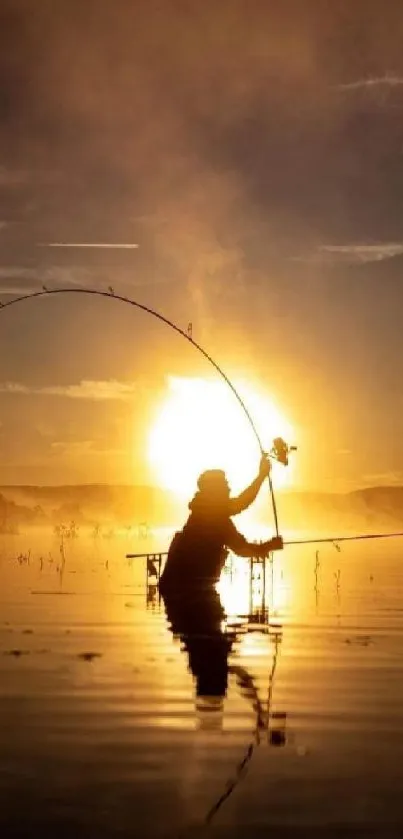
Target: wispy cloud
[73, 445]
[392, 478]
[108, 245]
[85, 447]
[20, 279]
[14, 387]
[11, 272]
[352, 253]
[15, 290]
[91, 390]
[374, 82]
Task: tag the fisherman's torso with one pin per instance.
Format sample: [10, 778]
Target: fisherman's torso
[197, 553]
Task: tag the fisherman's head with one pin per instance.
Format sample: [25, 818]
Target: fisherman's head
[213, 484]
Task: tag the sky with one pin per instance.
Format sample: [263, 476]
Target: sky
[254, 154]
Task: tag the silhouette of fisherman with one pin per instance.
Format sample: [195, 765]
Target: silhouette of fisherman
[197, 553]
[195, 560]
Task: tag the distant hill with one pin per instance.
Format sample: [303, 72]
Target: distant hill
[91, 504]
[375, 506]
[134, 505]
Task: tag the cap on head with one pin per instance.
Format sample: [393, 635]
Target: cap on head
[213, 480]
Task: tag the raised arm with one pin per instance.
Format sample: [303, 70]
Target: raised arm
[246, 498]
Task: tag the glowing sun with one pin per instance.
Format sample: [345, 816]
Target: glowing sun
[202, 426]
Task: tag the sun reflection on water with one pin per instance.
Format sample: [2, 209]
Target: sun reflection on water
[242, 596]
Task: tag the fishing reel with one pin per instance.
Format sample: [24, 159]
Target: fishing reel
[281, 450]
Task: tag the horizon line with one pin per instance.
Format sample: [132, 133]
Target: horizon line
[281, 490]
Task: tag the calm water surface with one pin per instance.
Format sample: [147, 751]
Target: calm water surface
[105, 731]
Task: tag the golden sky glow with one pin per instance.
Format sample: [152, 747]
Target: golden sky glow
[207, 177]
[201, 426]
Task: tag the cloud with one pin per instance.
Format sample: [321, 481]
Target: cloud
[375, 82]
[76, 445]
[11, 272]
[14, 387]
[108, 245]
[85, 447]
[15, 290]
[353, 253]
[392, 478]
[90, 390]
[20, 279]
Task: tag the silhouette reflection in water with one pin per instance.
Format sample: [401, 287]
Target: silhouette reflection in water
[198, 619]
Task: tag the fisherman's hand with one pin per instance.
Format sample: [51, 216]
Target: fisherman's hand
[275, 544]
[264, 467]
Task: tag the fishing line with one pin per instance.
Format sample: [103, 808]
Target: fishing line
[246, 683]
[128, 300]
[262, 723]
